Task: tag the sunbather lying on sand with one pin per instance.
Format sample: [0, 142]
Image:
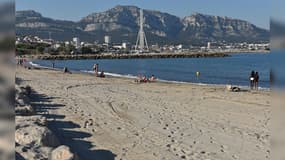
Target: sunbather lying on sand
[152, 78]
[144, 79]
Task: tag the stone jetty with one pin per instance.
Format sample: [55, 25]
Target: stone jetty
[129, 56]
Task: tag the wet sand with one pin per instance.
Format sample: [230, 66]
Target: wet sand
[115, 118]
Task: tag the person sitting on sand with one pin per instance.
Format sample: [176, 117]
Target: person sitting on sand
[138, 79]
[102, 75]
[65, 70]
[141, 79]
[144, 79]
[152, 78]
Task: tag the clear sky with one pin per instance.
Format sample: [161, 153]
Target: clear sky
[255, 11]
[278, 12]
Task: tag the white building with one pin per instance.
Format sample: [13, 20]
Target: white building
[124, 45]
[209, 45]
[76, 42]
[179, 47]
[107, 39]
[55, 46]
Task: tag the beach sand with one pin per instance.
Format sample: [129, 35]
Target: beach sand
[115, 118]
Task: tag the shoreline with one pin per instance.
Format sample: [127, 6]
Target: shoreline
[132, 77]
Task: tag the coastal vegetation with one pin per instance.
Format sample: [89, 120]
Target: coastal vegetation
[48, 49]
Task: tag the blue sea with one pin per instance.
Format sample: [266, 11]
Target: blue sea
[232, 70]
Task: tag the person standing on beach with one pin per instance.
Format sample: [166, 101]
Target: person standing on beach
[256, 79]
[251, 78]
[271, 77]
[197, 74]
[95, 69]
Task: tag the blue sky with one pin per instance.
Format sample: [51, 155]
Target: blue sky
[255, 11]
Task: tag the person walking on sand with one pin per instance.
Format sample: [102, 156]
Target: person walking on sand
[256, 80]
[251, 79]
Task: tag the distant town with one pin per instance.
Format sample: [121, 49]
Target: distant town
[34, 45]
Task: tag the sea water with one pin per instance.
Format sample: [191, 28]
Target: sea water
[233, 70]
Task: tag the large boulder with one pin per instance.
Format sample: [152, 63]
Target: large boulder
[62, 153]
[28, 120]
[26, 110]
[31, 132]
[39, 153]
[22, 95]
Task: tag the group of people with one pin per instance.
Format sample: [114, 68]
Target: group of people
[254, 79]
[96, 71]
[144, 79]
[21, 61]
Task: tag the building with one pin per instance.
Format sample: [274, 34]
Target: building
[209, 45]
[124, 45]
[179, 47]
[56, 46]
[76, 42]
[107, 39]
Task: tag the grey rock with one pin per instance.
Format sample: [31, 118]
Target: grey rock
[24, 110]
[31, 132]
[62, 153]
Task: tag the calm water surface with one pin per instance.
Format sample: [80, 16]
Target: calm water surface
[229, 70]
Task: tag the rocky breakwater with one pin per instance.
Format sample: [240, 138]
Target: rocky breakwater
[34, 140]
[130, 56]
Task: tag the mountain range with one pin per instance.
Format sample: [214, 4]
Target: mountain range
[122, 24]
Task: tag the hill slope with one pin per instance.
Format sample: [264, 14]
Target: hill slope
[121, 22]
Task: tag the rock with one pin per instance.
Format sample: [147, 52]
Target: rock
[29, 120]
[30, 131]
[26, 110]
[33, 135]
[27, 90]
[22, 95]
[41, 153]
[22, 98]
[62, 153]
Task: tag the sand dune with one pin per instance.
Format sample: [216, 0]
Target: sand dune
[114, 118]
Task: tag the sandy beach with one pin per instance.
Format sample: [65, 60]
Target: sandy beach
[117, 119]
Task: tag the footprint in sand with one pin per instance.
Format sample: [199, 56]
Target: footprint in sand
[183, 157]
[88, 123]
